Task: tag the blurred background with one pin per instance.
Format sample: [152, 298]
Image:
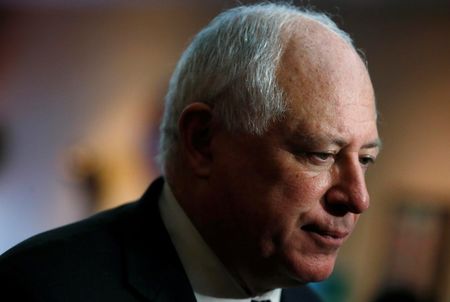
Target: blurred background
[81, 90]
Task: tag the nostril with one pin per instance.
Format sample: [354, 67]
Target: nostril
[340, 201]
[338, 210]
[336, 202]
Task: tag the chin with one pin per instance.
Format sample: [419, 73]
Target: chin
[304, 269]
[320, 275]
[295, 271]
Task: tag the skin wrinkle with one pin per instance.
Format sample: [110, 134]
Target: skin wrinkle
[306, 78]
[263, 190]
[319, 74]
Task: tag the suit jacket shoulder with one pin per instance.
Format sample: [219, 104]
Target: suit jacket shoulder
[122, 254]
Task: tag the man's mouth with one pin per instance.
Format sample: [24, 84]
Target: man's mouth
[326, 237]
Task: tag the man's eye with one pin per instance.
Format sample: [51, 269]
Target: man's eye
[322, 157]
[366, 160]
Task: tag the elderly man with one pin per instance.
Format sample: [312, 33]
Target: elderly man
[268, 130]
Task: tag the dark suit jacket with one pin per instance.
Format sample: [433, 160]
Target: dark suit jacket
[123, 254]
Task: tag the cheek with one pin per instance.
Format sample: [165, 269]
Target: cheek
[304, 189]
[299, 198]
[291, 202]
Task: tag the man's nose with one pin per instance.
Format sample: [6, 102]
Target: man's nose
[349, 191]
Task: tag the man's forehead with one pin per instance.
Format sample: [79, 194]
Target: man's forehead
[322, 75]
[311, 45]
[308, 32]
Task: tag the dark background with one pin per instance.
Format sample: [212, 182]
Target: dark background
[81, 86]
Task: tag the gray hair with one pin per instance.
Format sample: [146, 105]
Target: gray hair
[231, 65]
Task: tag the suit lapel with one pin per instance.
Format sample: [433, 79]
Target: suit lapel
[152, 264]
[299, 294]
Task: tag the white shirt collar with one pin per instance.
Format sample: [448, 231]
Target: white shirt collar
[208, 276]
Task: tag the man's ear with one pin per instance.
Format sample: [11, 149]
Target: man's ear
[195, 127]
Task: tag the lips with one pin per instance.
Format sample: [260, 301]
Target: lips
[325, 236]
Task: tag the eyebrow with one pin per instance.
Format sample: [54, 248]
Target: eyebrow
[315, 140]
[374, 144]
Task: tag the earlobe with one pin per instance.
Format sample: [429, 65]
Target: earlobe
[195, 127]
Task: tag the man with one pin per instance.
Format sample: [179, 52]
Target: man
[268, 130]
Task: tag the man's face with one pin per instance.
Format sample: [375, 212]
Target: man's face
[290, 198]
